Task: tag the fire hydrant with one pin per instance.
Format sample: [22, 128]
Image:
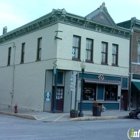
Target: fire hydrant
[15, 107]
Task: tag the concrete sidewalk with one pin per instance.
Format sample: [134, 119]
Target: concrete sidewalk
[61, 117]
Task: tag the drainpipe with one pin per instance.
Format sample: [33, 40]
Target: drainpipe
[13, 78]
[130, 68]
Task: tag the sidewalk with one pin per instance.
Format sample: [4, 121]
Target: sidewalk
[61, 117]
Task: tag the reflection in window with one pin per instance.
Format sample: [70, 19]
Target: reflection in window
[89, 49]
[138, 53]
[111, 92]
[115, 54]
[59, 93]
[89, 92]
[104, 52]
[76, 47]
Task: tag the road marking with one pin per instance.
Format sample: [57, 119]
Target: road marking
[59, 117]
[44, 118]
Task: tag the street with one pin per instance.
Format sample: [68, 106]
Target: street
[14, 128]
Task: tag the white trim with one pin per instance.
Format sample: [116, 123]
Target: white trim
[136, 63]
[135, 80]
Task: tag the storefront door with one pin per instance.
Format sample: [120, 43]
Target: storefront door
[59, 99]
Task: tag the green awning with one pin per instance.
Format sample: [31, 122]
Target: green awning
[135, 87]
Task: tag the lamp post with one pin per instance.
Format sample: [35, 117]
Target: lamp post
[80, 114]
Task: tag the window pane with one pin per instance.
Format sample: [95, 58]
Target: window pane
[88, 55]
[39, 48]
[114, 59]
[104, 52]
[89, 49]
[103, 58]
[104, 47]
[114, 50]
[114, 54]
[138, 53]
[76, 47]
[60, 78]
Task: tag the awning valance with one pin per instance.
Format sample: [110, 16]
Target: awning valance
[105, 82]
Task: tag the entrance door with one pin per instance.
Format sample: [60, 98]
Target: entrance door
[59, 99]
[124, 100]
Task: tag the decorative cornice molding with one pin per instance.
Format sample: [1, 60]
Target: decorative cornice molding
[62, 16]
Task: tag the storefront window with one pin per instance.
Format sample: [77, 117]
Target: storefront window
[111, 93]
[89, 92]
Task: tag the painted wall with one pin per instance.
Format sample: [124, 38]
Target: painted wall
[48, 88]
[29, 78]
[64, 52]
[67, 92]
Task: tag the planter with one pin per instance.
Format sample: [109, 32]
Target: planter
[73, 113]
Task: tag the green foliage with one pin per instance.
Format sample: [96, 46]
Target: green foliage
[73, 111]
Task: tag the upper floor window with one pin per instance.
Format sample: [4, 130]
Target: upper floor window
[9, 56]
[114, 54]
[39, 45]
[22, 52]
[138, 52]
[89, 50]
[104, 52]
[76, 47]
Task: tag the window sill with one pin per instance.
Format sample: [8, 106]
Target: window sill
[38, 60]
[102, 63]
[88, 61]
[76, 59]
[115, 65]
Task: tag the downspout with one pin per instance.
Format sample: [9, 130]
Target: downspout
[130, 67]
[13, 78]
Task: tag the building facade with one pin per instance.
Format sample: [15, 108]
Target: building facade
[30, 57]
[134, 25]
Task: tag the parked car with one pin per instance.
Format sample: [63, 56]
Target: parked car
[135, 113]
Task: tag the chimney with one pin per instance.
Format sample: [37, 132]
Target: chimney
[5, 30]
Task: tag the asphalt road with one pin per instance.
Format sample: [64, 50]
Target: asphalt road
[14, 128]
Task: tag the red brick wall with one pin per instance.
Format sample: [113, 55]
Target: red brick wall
[134, 45]
[135, 68]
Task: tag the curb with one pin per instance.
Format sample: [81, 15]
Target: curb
[69, 119]
[19, 115]
[123, 117]
[94, 118]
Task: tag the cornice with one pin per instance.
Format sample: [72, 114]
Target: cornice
[60, 15]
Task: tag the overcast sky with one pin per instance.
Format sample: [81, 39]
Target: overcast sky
[15, 13]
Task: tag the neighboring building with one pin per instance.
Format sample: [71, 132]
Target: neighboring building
[134, 25]
[29, 54]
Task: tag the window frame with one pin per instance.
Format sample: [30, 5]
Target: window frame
[9, 56]
[113, 55]
[76, 47]
[39, 48]
[105, 53]
[89, 50]
[138, 52]
[22, 52]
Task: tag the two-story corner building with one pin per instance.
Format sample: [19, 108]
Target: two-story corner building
[61, 40]
[134, 25]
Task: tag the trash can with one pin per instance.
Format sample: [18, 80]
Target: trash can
[97, 109]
